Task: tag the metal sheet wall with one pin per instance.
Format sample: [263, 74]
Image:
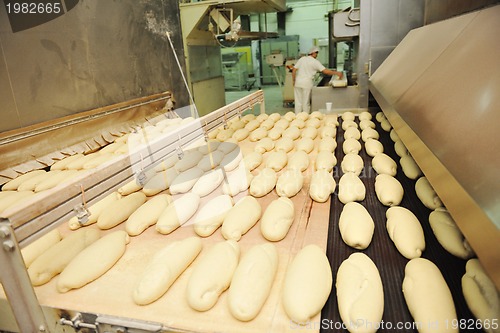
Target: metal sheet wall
[97, 54]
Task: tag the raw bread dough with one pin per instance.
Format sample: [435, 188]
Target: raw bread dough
[284, 144]
[386, 125]
[277, 160]
[331, 120]
[426, 194]
[360, 294]
[210, 160]
[241, 218]
[282, 123]
[277, 219]
[389, 190]
[481, 295]
[325, 160]
[159, 182]
[131, 187]
[237, 124]
[211, 215]
[227, 146]
[356, 226]
[267, 124]
[177, 213]
[190, 159]
[232, 160]
[428, 297]
[210, 146]
[317, 114]
[237, 180]
[299, 123]
[309, 132]
[248, 117]
[170, 161]
[31, 183]
[352, 133]
[164, 268]
[348, 115]
[263, 183]
[13, 184]
[95, 210]
[405, 231]
[93, 261]
[55, 180]
[400, 148]
[275, 133]
[352, 162]
[369, 133]
[252, 125]
[59, 165]
[39, 246]
[51, 262]
[298, 160]
[364, 124]
[373, 147]
[147, 214]
[307, 284]
[258, 134]
[305, 144]
[448, 235]
[212, 275]
[225, 134]
[262, 117]
[289, 116]
[274, 117]
[351, 188]
[365, 115]
[330, 131]
[410, 167]
[98, 160]
[349, 123]
[351, 146]
[302, 115]
[252, 281]
[207, 183]
[252, 160]
[241, 134]
[289, 183]
[313, 122]
[322, 185]
[394, 136]
[264, 145]
[327, 144]
[291, 132]
[382, 163]
[120, 210]
[185, 181]
[12, 198]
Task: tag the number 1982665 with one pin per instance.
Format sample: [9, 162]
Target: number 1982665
[33, 8]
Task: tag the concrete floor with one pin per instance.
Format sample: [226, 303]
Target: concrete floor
[273, 99]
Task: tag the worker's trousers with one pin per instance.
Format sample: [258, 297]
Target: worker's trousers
[302, 99]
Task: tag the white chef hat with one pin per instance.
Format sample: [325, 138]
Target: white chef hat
[313, 49]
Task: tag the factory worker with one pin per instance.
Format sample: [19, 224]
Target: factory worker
[303, 76]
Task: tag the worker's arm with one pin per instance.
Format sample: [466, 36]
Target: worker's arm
[330, 72]
[294, 74]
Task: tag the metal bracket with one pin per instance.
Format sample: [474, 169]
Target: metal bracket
[107, 324]
[77, 322]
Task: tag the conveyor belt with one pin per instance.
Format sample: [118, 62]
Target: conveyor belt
[382, 251]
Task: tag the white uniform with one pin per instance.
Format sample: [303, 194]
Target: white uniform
[307, 67]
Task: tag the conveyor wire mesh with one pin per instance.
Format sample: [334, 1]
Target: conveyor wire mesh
[383, 252]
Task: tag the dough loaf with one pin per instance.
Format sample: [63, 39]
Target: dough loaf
[241, 134]
[120, 210]
[130, 187]
[426, 194]
[95, 260]
[327, 131]
[298, 160]
[351, 146]
[277, 160]
[400, 148]
[373, 147]
[309, 132]
[188, 161]
[277, 219]
[307, 284]
[364, 124]
[212, 275]
[313, 122]
[348, 115]
[352, 133]
[39, 246]
[327, 144]
[211, 160]
[382, 163]
[284, 144]
[322, 185]
[264, 145]
[360, 294]
[185, 181]
[389, 190]
[94, 210]
[351, 188]
[289, 183]
[13, 184]
[305, 144]
[177, 213]
[410, 167]
[207, 183]
[448, 235]
[263, 183]
[159, 182]
[212, 214]
[369, 133]
[252, 160]
[164, 268]
[428, 297]
[405, 231]
[349, 123]
[356, 226]
[252, 281]
[257, 134]
[325, 160]
[291, 132]
[237, 181]
[352, 163]
[147, 214]
[241, 218]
